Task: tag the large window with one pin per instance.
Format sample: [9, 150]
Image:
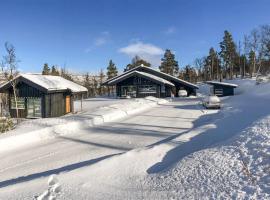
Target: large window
[20, 103]
[147, 89]
[128, 91]
[33, 107]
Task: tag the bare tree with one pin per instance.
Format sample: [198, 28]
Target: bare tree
[10, 70]
[246, 52]
[254, 44]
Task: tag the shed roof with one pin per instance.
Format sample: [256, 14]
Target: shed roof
[143, 74]
[49, 83]
[222, 84]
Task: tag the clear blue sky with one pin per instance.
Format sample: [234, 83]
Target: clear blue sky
[84, 35]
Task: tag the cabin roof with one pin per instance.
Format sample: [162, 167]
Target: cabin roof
[48, 83]
[222, 84]
[143, 74]
[156, 73]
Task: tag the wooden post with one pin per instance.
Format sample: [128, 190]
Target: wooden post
[81, 101]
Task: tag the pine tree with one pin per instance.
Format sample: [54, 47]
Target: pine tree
[95, 86]
[137, 61]
[212, 65]
[227, 53]
[65, 74]
[251, 61]
[111, 70]
[46, 69]
[55, 72]
[169, 65]
[101, 80]
[87, 84]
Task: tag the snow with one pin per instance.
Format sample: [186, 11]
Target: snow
[150, 69]
[54, 127]
[222, 83]
[153, 77]
[173, 150]
[52, 83]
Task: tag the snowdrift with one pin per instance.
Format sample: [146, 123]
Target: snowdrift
[33, 131]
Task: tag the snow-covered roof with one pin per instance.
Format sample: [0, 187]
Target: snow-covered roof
[52, 83]
[151, 76]
[221, 83]
[138, 68]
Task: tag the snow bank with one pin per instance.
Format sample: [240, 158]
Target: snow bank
[37, 130]
[239, 169]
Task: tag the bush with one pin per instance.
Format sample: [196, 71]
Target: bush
[6, 124]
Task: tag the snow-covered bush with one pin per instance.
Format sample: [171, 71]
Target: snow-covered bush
[53, 191]
[6, 124]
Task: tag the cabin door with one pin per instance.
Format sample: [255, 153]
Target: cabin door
[68, 104]
[33, 107]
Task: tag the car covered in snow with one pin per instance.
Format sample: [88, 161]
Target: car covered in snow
[211, 101]
[182, 93]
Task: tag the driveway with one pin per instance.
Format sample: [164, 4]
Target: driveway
[93, 144]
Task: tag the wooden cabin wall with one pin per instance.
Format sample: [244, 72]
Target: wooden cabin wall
[227, 91]
[139, 81]
[24, 90]
[55, 105]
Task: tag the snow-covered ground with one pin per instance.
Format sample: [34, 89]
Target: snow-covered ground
[176, 150]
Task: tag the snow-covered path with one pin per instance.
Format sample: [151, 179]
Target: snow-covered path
[93, 144]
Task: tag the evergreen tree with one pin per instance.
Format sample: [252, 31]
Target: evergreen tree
[227, 53]
[95, 86]
[212, 65]
[65, 74]
[101, 80]
[111, 70]
[169, 65]
[46, 69]
[251, 61]
[137, 61]
[189, 74]
[88, 85]
[54, 71]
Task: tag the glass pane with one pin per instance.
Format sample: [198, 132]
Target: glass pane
[20, 103]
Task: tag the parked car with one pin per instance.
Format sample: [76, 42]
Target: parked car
[212, 101]
[182, 93]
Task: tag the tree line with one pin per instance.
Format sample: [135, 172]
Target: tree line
[248, 58]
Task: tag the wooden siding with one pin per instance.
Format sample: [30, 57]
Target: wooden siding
[52, 104]
[141, 81]
[226, 91]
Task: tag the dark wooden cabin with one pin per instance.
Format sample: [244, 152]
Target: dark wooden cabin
[41, 96]
[145, 81]
[221, 89]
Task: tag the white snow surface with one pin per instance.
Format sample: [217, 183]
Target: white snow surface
[207, 154]
[42, 129]
[52, 83]
[151, 76]
[222, 83]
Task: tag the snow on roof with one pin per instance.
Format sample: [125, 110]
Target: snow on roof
[52, 83]
[153, 77]
[173, 77]
[221, 83]
[151, 69]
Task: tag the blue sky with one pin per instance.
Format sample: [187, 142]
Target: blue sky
[84, 35]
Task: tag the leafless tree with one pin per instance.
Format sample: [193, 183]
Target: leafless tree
[246, 52]
[254, 44]
[11, 71]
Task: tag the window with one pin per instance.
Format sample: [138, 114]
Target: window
[20, 103]
[147, 89]
[33, 107]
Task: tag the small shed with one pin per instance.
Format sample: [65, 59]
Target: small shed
[41, 96]
[221, 89]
